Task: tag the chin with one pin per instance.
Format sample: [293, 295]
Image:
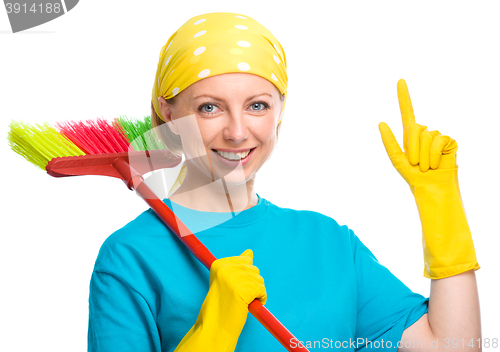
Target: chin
[235, 178]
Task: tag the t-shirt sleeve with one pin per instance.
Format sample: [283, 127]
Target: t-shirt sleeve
[120, 318]
[385, 306]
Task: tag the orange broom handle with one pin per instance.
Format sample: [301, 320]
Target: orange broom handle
[135, 181]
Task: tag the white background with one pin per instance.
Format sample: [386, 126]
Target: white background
[344, 60]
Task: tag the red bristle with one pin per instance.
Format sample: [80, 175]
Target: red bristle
[114, 136]
[99, 138]
[84, 134]
[94, 137]
[103, 139]
[77, 134]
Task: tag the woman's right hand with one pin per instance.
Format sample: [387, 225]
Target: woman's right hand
[234, 283]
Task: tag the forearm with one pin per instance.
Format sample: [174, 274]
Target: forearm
[454, 315]
[454, 311]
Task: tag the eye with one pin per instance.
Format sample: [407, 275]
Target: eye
[255, 106]
[207, 108]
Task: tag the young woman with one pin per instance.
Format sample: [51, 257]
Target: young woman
[218, 98]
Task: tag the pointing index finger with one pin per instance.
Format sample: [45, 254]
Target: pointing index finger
[405, 105]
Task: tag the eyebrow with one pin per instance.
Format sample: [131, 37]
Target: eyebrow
[215, 98]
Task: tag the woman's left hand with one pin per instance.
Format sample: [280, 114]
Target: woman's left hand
[424, 151]
[428, 164]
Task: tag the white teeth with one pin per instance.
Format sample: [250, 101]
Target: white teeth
[244, 154]
[233, 156]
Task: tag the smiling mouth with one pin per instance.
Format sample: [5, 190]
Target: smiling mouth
[233, 156]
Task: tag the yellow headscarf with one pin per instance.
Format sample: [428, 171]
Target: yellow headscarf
[213, 44]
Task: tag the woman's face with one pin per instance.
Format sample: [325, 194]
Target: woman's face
[226, 114]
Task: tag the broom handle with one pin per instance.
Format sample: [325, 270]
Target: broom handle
[135, 181]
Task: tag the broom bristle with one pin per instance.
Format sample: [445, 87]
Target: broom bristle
[94, 137]
[139, 133]
[40, 143]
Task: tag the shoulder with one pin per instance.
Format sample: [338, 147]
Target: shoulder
[309, 217]
[145, 225]
[324, 233]
[312, 222]
[130, 242]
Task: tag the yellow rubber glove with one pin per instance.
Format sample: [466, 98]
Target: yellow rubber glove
[234, 283]
[429, 166]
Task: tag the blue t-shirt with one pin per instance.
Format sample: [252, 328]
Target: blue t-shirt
[322, 283]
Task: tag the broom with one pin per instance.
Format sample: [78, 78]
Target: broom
[125, 149]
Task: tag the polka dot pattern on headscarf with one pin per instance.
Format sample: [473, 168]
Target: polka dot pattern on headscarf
[217, 43]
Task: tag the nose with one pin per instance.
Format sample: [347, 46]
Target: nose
[236, 129]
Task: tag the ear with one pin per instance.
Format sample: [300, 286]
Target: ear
[166, 112]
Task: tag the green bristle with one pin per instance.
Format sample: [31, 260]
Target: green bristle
[152, 140]
[139, 133]
[40, 143]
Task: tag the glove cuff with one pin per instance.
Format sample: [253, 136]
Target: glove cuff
[446, 236]
[447, 271]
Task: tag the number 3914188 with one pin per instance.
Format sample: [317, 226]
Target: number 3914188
[34, 8]
[485, 343]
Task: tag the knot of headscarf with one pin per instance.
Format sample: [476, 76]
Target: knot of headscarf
[217, 43]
